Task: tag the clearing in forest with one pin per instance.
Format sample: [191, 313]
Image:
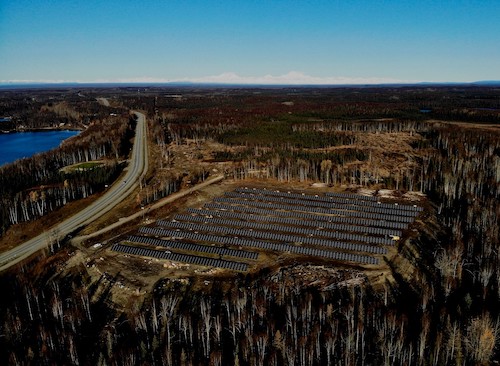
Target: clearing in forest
[232, 231]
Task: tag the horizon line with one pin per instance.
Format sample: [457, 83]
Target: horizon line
[16, 83]
[231, 78]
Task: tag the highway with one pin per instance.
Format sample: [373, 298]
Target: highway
[137, 166]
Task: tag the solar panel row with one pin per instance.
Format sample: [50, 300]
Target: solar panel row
[308, 216]
[185, 258]
[404, 207]
[341, 206]
[357, 258]
[269, 205]
[192, 247]
[306, 196]
[352, 196]
[303, 196]
[297, 222]
[278, 237]
[276, 227]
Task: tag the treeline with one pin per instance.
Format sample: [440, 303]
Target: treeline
[438, 162]
[160, 187]
[335, 167]
[156, 189]
[264, 154]
[33, 187]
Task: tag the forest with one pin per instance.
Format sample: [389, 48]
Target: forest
[441, 306]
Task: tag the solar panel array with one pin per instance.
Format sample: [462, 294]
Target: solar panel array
[192, 247]
[185, 258]
[334, 226]
[282, 247]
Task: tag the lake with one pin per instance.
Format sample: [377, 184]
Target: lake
[17, 145]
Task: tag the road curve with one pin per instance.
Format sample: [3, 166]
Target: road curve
[138, 166]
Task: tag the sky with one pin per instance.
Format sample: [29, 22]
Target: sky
[253, 41]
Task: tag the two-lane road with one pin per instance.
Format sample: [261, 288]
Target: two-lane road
[138, 166]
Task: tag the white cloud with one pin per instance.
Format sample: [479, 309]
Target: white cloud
[291, 78]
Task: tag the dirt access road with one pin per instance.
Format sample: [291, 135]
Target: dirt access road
[138, 166]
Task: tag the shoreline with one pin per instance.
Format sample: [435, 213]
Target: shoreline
[42, 129]
[11, 154]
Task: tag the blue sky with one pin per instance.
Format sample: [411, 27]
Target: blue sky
[250, 41]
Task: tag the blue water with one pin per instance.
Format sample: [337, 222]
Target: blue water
[17, 145]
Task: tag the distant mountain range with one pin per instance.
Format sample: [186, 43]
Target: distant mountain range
[487, 82]
[16, 85]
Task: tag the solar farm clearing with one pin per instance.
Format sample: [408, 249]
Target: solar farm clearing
[232, 231]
